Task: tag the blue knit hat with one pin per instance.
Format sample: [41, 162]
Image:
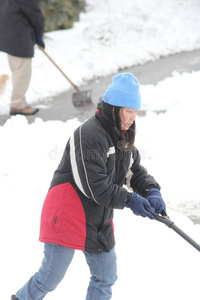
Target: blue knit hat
[124, 91]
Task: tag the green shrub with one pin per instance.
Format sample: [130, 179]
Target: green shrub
[61, 14]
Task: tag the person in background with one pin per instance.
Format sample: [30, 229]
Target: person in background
[99, 160]
[21, 26]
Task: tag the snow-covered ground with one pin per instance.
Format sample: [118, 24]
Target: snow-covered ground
[153, 261]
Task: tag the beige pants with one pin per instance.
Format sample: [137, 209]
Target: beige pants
[21, 76]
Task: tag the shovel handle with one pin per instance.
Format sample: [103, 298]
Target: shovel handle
[76, 88]
[163, 218]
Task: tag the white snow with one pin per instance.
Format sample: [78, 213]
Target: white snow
[153, 261]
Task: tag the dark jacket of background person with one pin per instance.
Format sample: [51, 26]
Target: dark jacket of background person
[21, 21]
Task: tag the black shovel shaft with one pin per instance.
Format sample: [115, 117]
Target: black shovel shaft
[185, 236]
[169, 223]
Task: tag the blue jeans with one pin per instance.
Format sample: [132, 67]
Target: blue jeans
[56, 261]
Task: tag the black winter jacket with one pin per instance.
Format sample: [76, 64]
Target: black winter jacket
[20, 22]
[88, 185]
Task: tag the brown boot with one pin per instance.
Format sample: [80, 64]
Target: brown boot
[27, 111]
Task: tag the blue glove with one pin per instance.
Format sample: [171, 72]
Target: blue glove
[137, 204]
[155, 199]
[40, 41]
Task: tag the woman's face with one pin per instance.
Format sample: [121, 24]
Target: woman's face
[127, 117]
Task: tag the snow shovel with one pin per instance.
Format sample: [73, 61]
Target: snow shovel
[164, 218]
[82, 99]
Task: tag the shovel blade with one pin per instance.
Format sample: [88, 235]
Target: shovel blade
[82, 100]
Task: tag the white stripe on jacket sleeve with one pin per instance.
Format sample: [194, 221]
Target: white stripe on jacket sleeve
[129, 174]
[74, 165]
[84, 167]
[111, 151]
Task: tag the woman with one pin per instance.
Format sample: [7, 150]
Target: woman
[100, 157]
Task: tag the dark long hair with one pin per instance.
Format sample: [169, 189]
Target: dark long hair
[110, 114]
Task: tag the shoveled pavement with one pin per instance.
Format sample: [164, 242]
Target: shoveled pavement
[61, 107]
